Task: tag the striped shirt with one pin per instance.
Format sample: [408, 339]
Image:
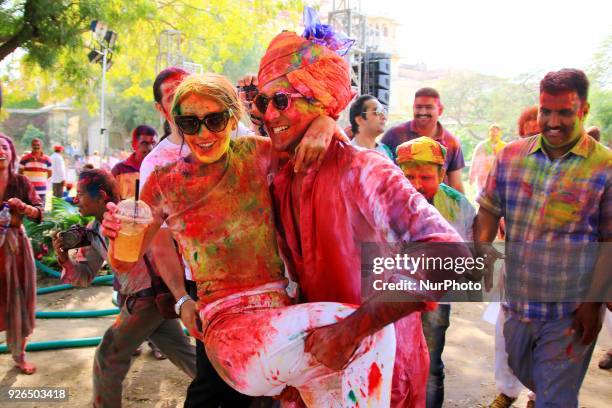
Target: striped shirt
[36, 169]
[564, 204]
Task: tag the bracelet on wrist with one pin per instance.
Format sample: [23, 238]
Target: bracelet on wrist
[179, 304]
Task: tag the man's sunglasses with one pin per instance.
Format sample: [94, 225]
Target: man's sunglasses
[191, 124]
[380, 111]
[279, 99]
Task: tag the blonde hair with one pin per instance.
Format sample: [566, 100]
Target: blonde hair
[212, 86]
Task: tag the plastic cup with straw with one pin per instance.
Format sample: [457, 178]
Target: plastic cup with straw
[135, 216]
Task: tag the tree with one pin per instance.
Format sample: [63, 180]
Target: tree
[473, 101]
[600, 95]
[223, 36]
[217, 34]
[45, 27]
[31, 133]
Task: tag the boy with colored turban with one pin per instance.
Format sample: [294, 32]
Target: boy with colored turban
[357, 196]
[422, 161]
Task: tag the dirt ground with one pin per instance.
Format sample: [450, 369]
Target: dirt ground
[150, 383]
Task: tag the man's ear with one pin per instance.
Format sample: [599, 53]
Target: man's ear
[442, 174]
[134, 144]
[103, 195]
[440, 109]
[359, 120]
[586, 109]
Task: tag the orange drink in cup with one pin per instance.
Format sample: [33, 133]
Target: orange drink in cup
[135, 216]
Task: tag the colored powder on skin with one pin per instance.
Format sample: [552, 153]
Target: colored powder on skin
[374, 379]
[307, 108]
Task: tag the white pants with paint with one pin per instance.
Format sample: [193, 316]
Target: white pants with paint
[255, 340]
[505, 379]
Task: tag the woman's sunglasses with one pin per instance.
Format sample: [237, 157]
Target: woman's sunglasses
[279, 99]
[191, 124]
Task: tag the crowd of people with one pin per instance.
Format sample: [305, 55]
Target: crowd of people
[255, 236]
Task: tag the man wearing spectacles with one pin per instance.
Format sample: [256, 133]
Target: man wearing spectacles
[368, 118]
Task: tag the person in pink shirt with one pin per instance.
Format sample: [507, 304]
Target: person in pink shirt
[324, 217]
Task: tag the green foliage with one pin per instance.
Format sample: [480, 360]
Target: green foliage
[44, 28]
[474, 101]
[127, 113]
[31, 133]
[62, 216]
[601, 113]
[600, 71]
[600, 95]
[17, 101]
[223, 36]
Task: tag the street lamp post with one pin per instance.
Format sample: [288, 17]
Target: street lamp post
[101, 52]
[102, 88]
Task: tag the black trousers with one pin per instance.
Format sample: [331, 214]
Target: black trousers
[208, 389]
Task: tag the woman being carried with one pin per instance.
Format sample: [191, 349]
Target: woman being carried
[218, 205]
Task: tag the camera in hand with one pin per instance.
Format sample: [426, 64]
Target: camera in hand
[76, 236]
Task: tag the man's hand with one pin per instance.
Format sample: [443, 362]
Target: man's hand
[587, 322]
[314, 144]
[490, 255]
[60, 253]
[189, 317]
[111, 225]
[247, 99]
[289, 394]
[332, 346]
[247, 80]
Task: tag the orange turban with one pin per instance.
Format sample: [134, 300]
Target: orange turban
[314, 70]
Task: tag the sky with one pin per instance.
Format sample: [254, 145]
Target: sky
[504, 38]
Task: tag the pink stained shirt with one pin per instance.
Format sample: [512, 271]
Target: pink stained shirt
[357, 196]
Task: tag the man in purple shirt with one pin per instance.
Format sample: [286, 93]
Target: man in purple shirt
[427, 108]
